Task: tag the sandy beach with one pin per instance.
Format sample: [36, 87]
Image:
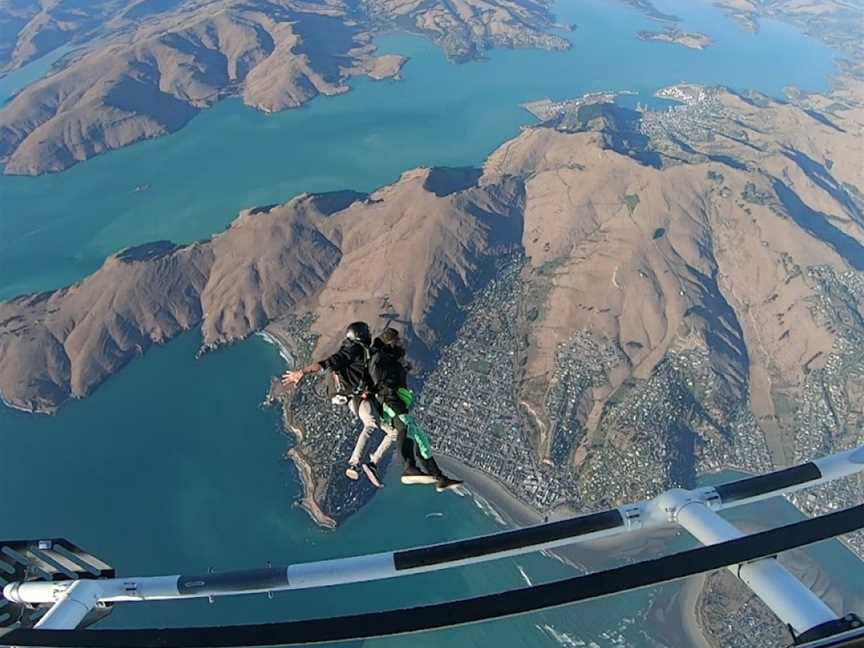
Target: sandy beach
[673, 616]
[272, 336]
[515, 512]
[689, 619]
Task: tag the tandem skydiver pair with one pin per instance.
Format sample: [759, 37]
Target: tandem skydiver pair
[371, 378]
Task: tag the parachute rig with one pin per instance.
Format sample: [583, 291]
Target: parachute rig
[52, 590]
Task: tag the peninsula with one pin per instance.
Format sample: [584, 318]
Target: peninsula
[146, 69]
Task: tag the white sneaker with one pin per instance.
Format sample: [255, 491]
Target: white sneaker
[371, 471]
[415, 476]
[353, 473]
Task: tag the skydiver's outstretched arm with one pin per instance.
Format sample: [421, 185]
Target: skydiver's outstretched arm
[339, 360]
[290, 378]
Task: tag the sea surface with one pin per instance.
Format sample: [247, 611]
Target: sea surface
[172, 465]
[13, 82]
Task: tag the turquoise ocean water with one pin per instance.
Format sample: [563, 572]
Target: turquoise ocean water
[172, 465]
[13, 82]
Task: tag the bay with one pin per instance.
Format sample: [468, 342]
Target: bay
[172, 466]
[13, 82]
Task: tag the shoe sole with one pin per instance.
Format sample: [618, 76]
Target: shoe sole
[372, 478]
[354, 476]
[442, 489]
[418, 479]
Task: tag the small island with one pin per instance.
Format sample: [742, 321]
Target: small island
[693, 40]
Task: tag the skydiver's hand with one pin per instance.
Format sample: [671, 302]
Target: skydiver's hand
[291, 378]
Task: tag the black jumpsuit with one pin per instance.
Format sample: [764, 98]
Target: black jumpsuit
[389, 372]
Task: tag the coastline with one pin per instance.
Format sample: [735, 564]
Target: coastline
[691, 590]
[16, 408]
[676, 621]
[271, 337]
[50, 411]
[308, 502]
[676, 616]
[478, 483]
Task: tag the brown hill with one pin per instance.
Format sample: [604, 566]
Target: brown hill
[29, 30]
[154, 80]
[411, 245]
[683, 233]
[466, 28]
[148, 68]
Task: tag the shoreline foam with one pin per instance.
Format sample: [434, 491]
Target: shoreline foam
[272, 338]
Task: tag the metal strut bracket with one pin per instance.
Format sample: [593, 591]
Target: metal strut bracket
[47, 560]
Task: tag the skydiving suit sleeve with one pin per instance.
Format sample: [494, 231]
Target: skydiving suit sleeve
[348, 366]
[339, 360]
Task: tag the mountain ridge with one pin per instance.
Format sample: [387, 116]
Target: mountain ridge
[143, 75]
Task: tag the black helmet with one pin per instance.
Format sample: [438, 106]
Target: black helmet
[359, 332]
